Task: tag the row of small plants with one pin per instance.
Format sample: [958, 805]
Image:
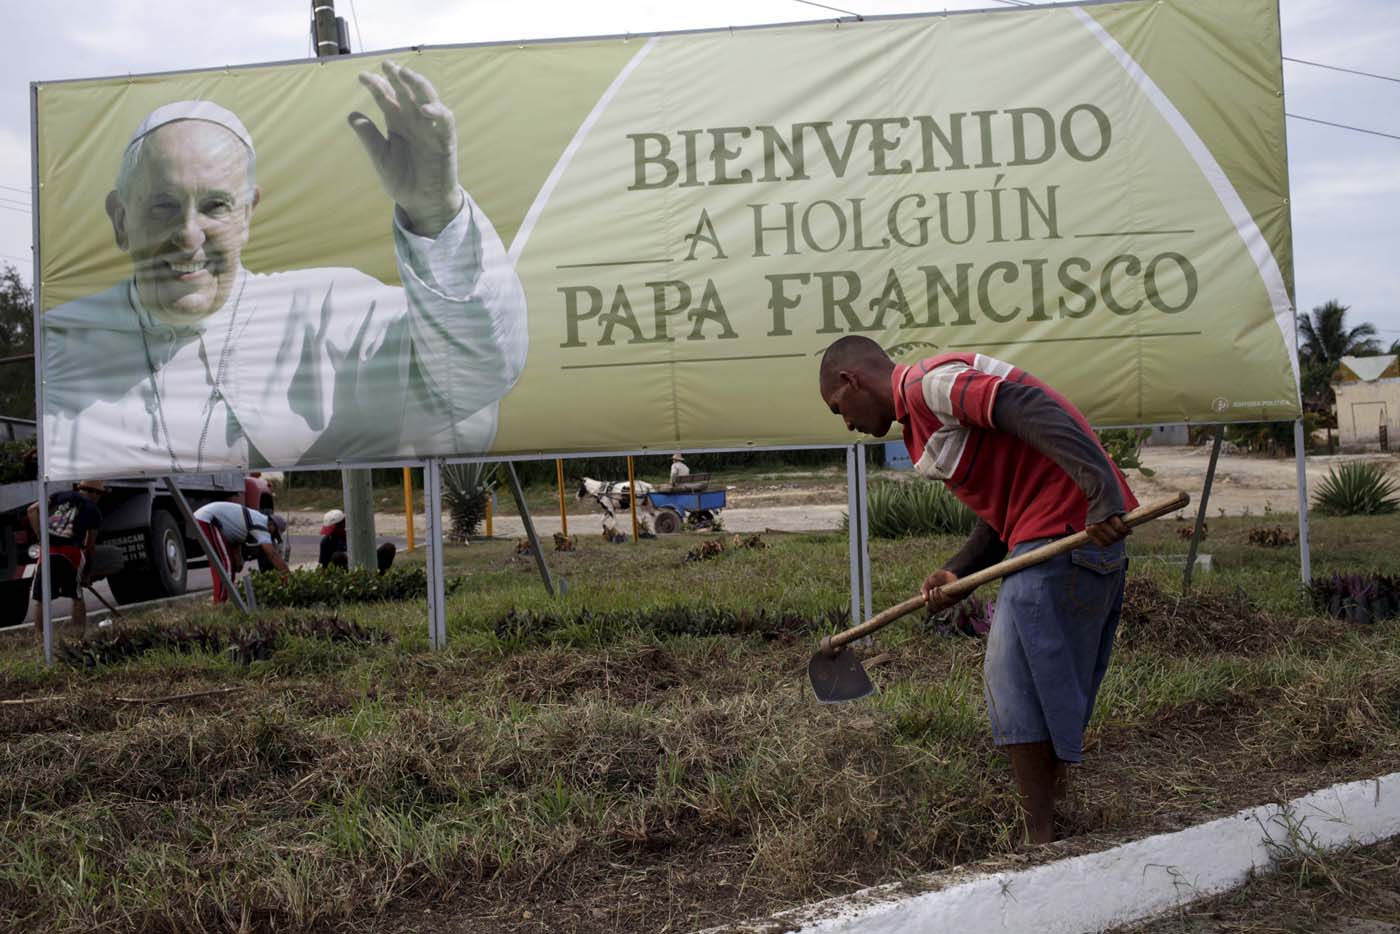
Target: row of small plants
[307, 587]
[525, 628]
[715, 547]
[1357, 598]
[244, 644]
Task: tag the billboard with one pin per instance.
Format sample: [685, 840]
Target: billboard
[646, 242]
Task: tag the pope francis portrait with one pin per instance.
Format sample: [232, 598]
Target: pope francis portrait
[194, 363]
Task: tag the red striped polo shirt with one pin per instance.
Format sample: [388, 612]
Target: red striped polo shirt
[945, 405]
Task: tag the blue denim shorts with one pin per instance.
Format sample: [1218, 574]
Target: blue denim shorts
[1052, 635]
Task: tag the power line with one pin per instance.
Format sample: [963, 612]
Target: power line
[831, 8]
[16, 210]
[1343, 126]
[23, 191]
[356, 17]
[1350, 71]
[22, 204]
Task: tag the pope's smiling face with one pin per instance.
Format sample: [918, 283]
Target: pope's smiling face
[184, 218]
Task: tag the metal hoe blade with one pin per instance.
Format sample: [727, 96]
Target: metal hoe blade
[838, 678]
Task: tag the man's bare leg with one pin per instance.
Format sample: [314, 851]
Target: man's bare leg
[79, 611]
[1036, 770]
[1063, 780]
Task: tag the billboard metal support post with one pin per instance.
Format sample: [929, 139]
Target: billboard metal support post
[45, 577]
[563, 510]
[863, 497]
[437, 590]
[534, 539]
[1201, 509]
[1301, 456]
[408, 505]
[856, 534]
[215, 565]
[632, 497]
[359, 511]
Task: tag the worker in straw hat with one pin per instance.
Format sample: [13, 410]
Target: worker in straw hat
[679, 471]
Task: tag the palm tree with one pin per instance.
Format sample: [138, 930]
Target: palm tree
[1326, 338]
[1394, 347]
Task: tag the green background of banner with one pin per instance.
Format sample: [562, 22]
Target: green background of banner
[1225, 358]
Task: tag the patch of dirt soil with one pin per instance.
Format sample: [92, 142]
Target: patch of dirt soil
[1244, 484]
[622, 677]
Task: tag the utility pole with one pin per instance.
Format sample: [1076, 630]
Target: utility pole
[357, 487]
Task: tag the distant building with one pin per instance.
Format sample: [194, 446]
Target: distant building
[1368, 398]
[1163, 435]
[897, 456]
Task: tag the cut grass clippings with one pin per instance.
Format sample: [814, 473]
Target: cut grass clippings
[643, 754]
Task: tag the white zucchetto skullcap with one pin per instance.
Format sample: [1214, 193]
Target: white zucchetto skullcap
[208, 111]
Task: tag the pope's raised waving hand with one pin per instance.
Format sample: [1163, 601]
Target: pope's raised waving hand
[416, 156]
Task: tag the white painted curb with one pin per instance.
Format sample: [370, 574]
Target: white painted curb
[1127, 883]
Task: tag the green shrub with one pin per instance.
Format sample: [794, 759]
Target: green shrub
[1124, 446]
[331, 586]
[1357, 490]
[898, 508]
[15, 462]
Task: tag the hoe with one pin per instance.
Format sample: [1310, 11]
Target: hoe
[837, 675]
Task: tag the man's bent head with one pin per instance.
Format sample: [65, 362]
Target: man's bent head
[182, 210]
[855, 384]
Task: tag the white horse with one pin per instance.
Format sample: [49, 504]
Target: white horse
[617, 495]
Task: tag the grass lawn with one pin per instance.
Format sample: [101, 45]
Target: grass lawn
[645, 754]
[1356, 891]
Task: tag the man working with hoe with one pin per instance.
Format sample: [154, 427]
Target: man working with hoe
[1027, 463]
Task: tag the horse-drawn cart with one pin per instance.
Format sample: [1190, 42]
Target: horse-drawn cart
[689, 500]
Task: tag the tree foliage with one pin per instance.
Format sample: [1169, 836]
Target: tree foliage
[16, 338]
[1325, 340]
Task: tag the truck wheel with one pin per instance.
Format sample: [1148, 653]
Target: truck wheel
[667, 522]
[14, 601]
[165, 573]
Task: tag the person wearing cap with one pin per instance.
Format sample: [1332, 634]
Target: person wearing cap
[227, 526]
[679, 471]
[334, 550]
[74, 521]
[196, 363]
[336, 553]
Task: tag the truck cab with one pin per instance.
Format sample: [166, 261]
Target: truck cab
[140, 517]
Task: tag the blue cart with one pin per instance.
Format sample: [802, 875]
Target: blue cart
[674, 505]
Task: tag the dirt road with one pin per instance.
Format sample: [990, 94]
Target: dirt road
[808, 501]
[1243, 485]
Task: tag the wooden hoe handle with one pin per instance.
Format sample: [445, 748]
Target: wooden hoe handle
[966, 585]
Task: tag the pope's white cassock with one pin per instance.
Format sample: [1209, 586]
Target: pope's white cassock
[311, 366]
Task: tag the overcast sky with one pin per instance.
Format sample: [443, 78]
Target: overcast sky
[1345, 185]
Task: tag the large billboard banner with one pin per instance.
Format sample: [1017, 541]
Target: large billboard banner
[646, 243]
